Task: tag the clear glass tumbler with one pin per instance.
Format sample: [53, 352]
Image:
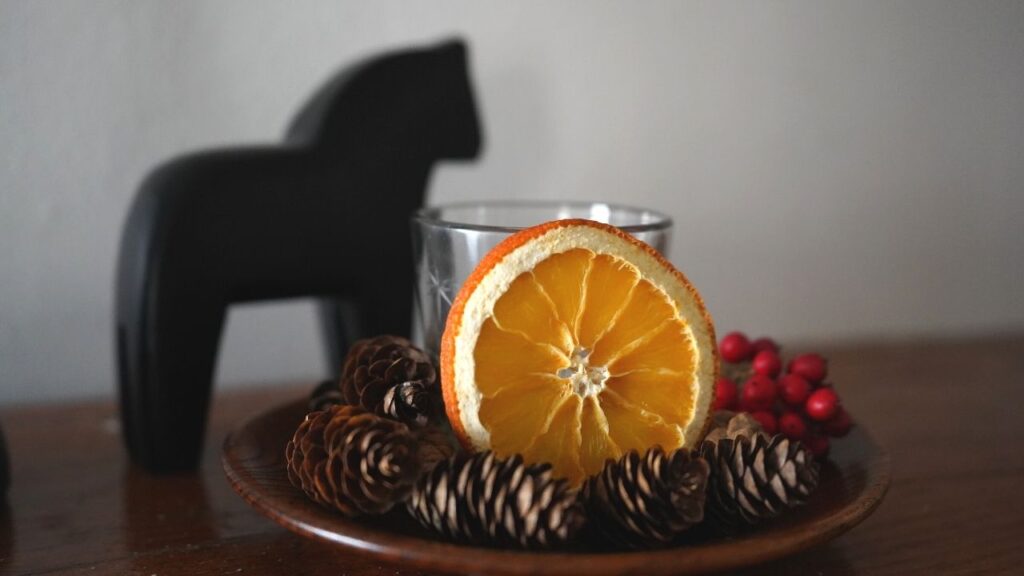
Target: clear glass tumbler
[450, 240]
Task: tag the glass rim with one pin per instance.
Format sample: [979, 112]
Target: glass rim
[430, 215]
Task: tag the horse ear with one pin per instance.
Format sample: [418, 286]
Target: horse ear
[421, 98]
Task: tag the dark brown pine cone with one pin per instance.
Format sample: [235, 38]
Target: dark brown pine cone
[483, 500]
[645, 502]
[389, 376]
[728, 424]
[353, 461]
[436, 444]
[753, 480]
[325, 395]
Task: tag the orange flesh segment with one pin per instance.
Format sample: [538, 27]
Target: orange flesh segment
[669, 348]
[526, 309]
[562, 277]
[608, 285]
[524, 356]
[514, 423]
[664, 394]
[646, 310]
[633, 428]
[596, 445]
[560, 443]
[502, 357]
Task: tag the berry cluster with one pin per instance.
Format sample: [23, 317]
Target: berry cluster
[797, 402]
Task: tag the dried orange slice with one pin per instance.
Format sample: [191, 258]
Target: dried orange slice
[573, 342]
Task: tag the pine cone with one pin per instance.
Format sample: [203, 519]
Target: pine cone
[353, 461]
[756, 479]
[480, 499]
[727, 424]
[643, 502]
[389, 376]
[436, 444]
[325, 395]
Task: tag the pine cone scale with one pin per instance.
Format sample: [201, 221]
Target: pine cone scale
[399, 369]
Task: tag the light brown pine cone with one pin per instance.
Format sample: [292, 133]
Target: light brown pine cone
[484, 500]
[353, 461]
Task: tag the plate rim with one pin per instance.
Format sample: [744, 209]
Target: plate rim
[404, 549]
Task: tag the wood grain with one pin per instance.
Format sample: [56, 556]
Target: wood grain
[947, 412]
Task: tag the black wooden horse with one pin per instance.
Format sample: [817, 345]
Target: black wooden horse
[323, 215]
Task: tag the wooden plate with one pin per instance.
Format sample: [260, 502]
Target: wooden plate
[852, 485]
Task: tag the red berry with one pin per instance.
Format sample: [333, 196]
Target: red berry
[767, 421]
[839, 425]
[792, 425]
[817, 444]
[822, 404]
[758, 393]
[811, 366]
[726, 394]
[767, 363]
[794, 389]
[735, 347]
[762, 344]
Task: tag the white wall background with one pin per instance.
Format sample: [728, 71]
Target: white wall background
[836, 170]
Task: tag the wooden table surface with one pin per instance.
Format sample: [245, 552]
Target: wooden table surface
[949, 412]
